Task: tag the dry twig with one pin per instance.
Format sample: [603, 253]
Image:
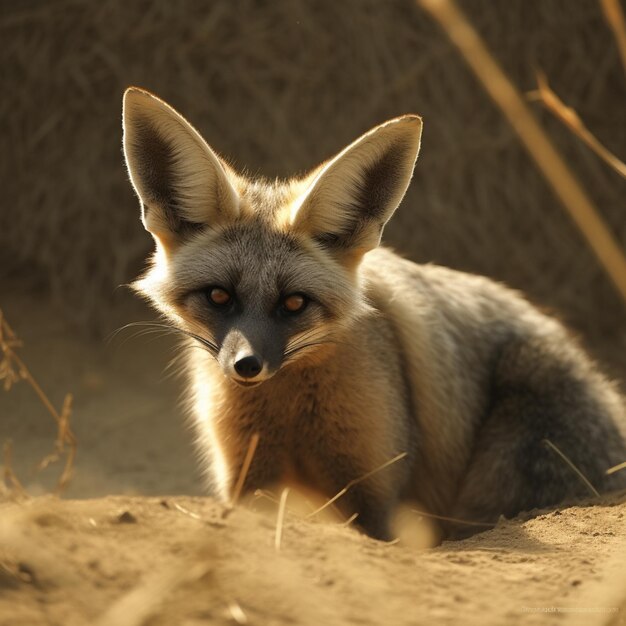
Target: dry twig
[551, 164]
[571, 119]
[13, 370]
[615, 17]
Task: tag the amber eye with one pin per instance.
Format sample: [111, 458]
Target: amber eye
[294, 303]
[219, 297]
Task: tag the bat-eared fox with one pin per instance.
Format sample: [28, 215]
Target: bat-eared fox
[341, 355]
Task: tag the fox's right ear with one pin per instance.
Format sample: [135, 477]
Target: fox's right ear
[181, 182]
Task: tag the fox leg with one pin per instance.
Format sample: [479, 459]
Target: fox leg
[372, 499]
[373, 513]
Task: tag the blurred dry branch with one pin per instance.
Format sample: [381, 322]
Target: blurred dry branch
[571, 119]
[615, 18]
[552, 165]
[14, 370]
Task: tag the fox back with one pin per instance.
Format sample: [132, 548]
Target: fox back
[341, 355]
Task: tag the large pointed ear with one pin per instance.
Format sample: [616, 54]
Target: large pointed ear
[181, 182]
[351, 197]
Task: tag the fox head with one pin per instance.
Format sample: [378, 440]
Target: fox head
[263, 274]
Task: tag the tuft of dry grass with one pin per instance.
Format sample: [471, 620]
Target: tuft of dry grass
[12, 371]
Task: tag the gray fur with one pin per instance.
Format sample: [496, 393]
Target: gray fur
[388, 357]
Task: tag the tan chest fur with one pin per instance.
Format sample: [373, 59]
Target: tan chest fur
[350, 405]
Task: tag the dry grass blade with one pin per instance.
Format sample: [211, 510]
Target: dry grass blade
[580, 475]
[237, 613]
[186, 511]
[12, 370]
[10, 479]
[551, 164]
[280, 518]
[455, 520]
[354, 482]
[350, 520]
[571, 119]
[254, 442]
[615, 17]
[267, 495]
[616, 468]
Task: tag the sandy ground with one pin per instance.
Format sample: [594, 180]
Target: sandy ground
[131, 561]
[158, 554]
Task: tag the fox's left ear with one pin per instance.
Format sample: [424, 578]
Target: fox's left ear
[351, 197]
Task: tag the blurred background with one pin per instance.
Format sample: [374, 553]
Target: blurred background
[275, 87]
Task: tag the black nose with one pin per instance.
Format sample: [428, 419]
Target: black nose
[249, 366]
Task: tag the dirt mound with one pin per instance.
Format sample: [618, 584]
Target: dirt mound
[121, 561]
